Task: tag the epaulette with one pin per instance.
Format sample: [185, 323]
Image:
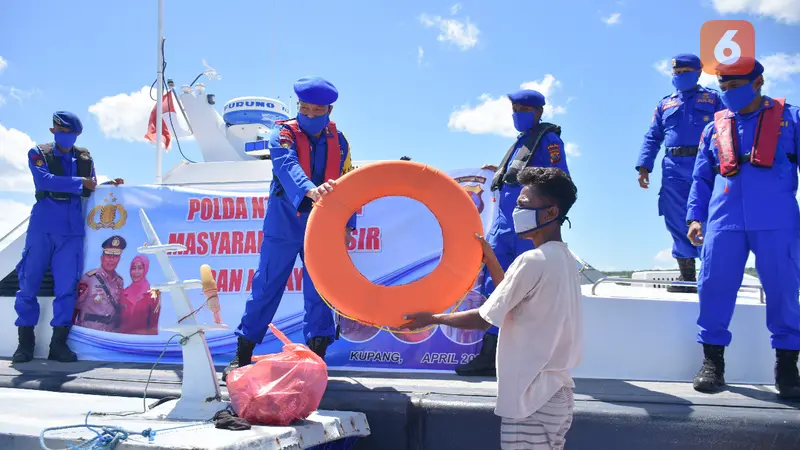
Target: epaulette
[91, 273]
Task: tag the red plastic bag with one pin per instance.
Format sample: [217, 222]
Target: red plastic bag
[280, 388]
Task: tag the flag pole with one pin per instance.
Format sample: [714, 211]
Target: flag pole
[160, 83]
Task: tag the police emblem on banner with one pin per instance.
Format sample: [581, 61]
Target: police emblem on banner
[475, 191]
[108, 215]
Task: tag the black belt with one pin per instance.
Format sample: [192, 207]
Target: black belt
[682, 151]
[97, 318]
[743, 159]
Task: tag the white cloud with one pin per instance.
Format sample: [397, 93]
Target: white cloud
[420, 55]
[455, 9]
[665, 261]
[571, 149]
[463, 34]
[493, 115]
[20, 95]
[3, 64]
[787, 11]
[13, 214]
[14, 173]
[613, 19]
[124, 116]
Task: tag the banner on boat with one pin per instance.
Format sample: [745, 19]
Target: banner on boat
[397, 241]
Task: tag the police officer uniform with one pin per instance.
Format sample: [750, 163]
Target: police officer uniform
[305, 153]
[539, 144]
[55, 236]
[100, 301]
[746, 205]
[677, 122]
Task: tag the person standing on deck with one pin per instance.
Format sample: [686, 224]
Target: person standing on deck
[538, 306]
[63, 175]
[538, 145]
[308, 154]
[743, 198]
[678, 121]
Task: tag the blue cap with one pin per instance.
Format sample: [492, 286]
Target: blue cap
[527, 97]
[315, 90]
[728, 72]
[686, 60]
[67, 120]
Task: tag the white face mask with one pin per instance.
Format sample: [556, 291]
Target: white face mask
[527, 219]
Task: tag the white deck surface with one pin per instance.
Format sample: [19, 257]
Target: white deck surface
[25, 413]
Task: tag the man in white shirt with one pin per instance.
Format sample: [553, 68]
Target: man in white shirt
[537, 306]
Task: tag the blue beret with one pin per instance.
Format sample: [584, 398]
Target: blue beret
[68, 120]
[736, 71]
[114, 245]
[527, 97]
[316, 91]
[686, 60]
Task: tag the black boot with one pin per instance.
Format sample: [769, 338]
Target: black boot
[59, 351]
[787, 378]
[711, 376]
[244, 356]
[27, 342]
[319, 345]
[688, 273]
[484, 364]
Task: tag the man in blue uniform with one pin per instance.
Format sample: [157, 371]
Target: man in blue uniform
[308, 154]
[64, 176]
[678, 121]
[538, 145]
[743, 199]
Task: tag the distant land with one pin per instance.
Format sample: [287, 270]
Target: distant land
[627, 273]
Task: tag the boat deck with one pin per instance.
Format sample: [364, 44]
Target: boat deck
[443, 411]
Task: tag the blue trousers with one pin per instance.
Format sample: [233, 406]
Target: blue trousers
[64, 256]
[672, 200]
[269, 282]
[507, 246]
[724, 256]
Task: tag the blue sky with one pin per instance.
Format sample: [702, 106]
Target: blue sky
[424, 79]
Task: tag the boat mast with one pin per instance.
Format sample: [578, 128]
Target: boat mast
[160, 95]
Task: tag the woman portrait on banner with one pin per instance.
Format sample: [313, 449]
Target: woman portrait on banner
[141, 308]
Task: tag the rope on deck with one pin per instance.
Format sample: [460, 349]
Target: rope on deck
[107, 437]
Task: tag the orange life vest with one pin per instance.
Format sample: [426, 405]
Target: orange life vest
[333, 161]
[765, 142]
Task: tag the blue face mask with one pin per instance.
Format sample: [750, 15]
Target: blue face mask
[737, 98]
[685, 81]
[65, 140]
[527, 219]
[313, 125]
[524, 121]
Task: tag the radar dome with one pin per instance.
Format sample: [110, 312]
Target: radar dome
[250, 119]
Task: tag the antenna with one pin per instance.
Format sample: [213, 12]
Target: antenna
[160, 95]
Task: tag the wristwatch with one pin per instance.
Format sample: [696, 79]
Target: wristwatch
[689, 222]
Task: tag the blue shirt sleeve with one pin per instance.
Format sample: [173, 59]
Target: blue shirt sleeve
[551, 148]
[346, 166]
[794, 118]
[702, 179]
[286, 167]
[652, 142]
[46, 181]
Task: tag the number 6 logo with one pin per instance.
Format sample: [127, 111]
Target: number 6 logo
[724, 42]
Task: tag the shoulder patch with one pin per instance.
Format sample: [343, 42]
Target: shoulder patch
[555, 152]
[82, 287]
[39, 162]
[286, 137]
[34, 155]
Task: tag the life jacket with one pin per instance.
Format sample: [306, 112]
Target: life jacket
[333, 159]
[54, 166]
[508, 175]
[765, 142]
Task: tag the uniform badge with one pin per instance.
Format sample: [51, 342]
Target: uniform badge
[706, 118]
[98, 298]
[115, 242]
[39, 163]
[674, 63]
[555, 153]
[82, 287]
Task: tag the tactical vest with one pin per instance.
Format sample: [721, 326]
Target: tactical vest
[333, 159]
[765, 142]
[84, 165]
[508, 175]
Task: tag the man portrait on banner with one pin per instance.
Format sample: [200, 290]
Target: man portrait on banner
[100, 291]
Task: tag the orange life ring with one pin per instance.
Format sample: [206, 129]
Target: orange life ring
[341, 284]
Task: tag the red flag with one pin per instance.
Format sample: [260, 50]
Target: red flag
[167, 107]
